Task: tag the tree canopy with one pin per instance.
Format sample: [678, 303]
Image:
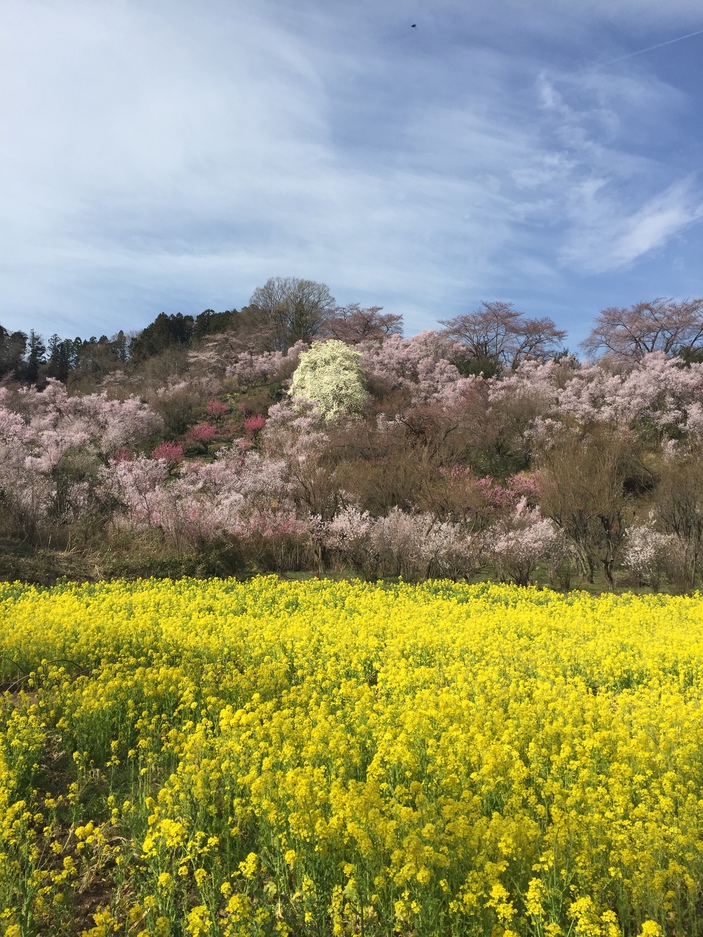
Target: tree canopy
[628, 334]
[497, 337]
[292, 308]
[330, 375]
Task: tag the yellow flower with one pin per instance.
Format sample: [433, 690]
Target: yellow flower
[651, 929]
[198, 921]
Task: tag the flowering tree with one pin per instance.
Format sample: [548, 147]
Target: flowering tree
[347, 537]
[402, 543]
[665, 325]
[497, 336]
[648, 553]
[482, 502]
[254, 424]
[264, 367]
[298, 433]
[330, 374]
[201, 435]
[658, 397]
[239, 494]
[420, 365]
[51, 445]
[417, 546]
[216, 409]
[520, 542]
[172, 452]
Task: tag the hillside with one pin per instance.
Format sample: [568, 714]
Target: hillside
[281, 438]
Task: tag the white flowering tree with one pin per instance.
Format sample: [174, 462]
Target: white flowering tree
[649, 553]
[330, 375]
[520, 542]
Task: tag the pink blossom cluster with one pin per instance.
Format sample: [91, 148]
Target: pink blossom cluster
[239, 493]
[412, 545]
[251, 368]
[520, 542]
[204, 433]
[170, 451]
[498, 496]
[421, 365]
[657, 394]
[254, 424]
[56, 422]
[216, 409]
[648, 552]
[49, 440]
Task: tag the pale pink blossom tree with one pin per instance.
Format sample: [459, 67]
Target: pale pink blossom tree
[52, 444]
[648, 552]
[420, 365]
[520, 542]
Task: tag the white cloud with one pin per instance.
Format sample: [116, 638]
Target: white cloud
[618, 200]
[170, 155]
[610, 239]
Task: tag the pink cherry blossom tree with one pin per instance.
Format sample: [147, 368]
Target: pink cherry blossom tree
[518, 544]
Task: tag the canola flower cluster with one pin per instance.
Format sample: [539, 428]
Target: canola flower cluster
[318, 758]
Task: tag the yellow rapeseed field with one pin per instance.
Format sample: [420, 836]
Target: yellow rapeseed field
[317, 758]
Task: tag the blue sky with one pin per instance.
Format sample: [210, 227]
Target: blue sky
[164, 155]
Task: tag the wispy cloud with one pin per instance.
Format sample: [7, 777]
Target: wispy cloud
[618, 202]
[612, 237]
[175, 156]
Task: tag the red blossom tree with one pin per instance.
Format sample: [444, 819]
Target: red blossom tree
[202, 433]
[171, 451]
[216, 409]
[254, 424]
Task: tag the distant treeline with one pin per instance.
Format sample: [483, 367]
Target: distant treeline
[286, 310]
[27, 358]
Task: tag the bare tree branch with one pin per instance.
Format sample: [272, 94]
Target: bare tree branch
[501, 334]
[626, 335]
[352, 324]
[295, 308]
